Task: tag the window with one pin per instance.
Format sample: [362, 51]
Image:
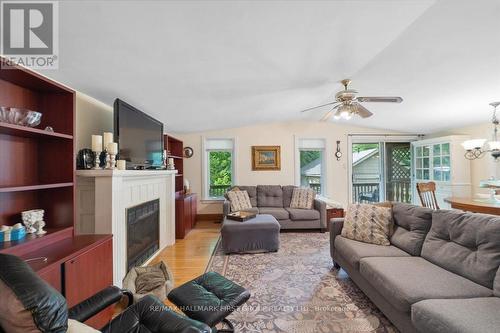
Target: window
[432, 162]
[218, 166]
[311, 164]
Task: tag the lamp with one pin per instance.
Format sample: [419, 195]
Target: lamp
[345, 111]
[474, 148]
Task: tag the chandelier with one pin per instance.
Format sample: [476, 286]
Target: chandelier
[475, 148]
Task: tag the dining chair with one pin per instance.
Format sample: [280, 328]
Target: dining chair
[427, 194]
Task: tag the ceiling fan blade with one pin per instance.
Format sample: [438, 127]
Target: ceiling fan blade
[362, 111]
[319, 106]
[394, 99]
[329, 114]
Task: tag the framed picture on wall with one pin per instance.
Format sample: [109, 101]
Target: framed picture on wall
[266, 158]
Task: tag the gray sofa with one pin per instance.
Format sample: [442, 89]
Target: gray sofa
[275, 200]
[440, 273]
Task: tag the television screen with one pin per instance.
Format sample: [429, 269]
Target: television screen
[139, 136]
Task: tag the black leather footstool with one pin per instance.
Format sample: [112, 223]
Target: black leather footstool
[210, 298]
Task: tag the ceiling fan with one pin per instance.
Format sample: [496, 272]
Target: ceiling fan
[346, 104]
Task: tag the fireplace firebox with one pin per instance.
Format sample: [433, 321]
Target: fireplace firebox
[143, 232]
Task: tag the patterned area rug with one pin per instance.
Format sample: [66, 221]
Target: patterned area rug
[297, 290]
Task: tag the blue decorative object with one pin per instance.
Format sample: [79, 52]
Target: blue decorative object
[17, 234]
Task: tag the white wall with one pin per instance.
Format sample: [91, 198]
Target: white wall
[92, 117]
[282, 134]
[485, 167]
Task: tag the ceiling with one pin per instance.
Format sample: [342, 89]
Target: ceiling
[203, 65]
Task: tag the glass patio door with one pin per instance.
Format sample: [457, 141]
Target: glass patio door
[367, 173]
[381, 171]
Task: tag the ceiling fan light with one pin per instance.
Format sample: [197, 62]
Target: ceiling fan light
[473, 144]
[494, 145]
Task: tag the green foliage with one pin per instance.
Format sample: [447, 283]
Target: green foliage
[307, 156]
[220, 168]
[357, 147]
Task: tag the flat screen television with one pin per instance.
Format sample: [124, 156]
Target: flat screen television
[139, 137]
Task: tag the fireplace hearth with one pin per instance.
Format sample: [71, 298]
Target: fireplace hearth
[143, 232]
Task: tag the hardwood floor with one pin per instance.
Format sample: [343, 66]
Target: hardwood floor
[188, 257]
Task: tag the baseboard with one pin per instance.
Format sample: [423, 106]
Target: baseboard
[209, 217]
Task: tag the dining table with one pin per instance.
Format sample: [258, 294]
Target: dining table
[475, 205]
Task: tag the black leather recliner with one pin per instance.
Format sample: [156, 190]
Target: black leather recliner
[26, 295]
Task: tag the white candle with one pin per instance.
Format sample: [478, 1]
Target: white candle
[121, 164]
[112, 148]
[108, 138]
[97, 143]
[171, 161]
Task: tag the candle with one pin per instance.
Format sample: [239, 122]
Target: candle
[97, 143]
[108, 138]
[121, 164]
[112, 148]
[171, 161]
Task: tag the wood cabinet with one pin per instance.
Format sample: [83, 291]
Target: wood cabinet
[442, 161]
[333, 213]
[37, 170]
[185, 214]
[88, 273]
[185, 204]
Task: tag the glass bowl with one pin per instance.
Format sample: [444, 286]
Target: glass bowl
[19, 116]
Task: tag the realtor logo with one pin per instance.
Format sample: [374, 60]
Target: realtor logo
[30, 33]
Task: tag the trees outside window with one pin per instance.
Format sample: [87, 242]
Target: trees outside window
[218, 167]
[220, 174]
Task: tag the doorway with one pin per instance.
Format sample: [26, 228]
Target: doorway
[380, 169]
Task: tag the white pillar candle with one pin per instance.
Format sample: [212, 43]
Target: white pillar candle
[171, 161]
[112, 148]
[97, 143]
[121, 164]
[108, 138]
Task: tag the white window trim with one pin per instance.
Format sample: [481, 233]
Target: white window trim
[204, 167]
[324, 162]
[371, 139]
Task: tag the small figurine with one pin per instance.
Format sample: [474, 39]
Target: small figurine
[39, 228]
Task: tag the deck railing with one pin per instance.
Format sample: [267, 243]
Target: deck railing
[216, 191]
[370, 192]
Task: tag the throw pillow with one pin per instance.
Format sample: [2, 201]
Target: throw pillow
[368, 223]
[239, 200]
[27, 303]
[77, 327]
[302, 198]
[150, 278]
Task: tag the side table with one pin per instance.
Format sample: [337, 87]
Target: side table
[333, 213]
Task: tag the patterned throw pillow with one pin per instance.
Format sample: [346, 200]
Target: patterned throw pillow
[368, 223]
[239, 200]
[302, 198]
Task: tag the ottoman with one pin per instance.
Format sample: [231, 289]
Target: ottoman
[210, 298]
[262, 233]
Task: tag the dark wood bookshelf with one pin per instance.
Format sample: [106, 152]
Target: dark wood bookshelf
[28, 132]
[37, 171]
[185, 204]
[34, 187]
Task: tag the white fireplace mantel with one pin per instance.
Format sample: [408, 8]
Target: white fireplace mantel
[103, 197]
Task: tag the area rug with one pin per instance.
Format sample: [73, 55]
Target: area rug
[297, 290]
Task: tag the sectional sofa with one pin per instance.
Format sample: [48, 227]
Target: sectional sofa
[440, 273]
[275, 200]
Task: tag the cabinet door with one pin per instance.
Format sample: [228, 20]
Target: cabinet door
[187, 215]
[422, 163]
[53, 277]
[193, 210]
[179, 218]
[87, 274]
